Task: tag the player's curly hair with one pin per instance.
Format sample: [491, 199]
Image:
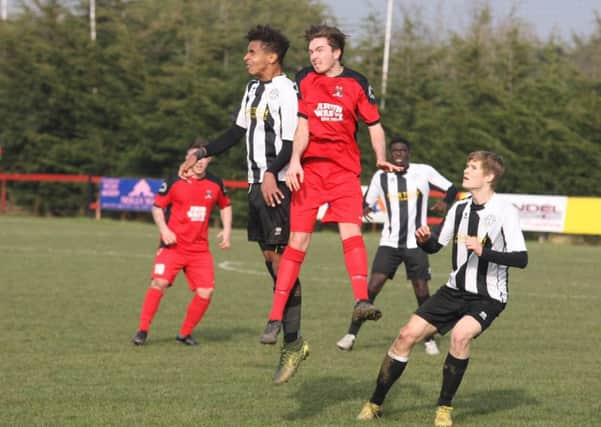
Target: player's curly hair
[397, 139]
[336, 38]
[273, 40]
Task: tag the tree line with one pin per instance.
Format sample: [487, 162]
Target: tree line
[161, 72]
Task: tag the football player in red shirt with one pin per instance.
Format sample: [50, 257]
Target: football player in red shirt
[182, 211]
[325, 168]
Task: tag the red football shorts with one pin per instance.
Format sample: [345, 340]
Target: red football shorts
[197, 266]
[326, 182]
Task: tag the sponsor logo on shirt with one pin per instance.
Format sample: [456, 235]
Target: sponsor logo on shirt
[329, 112]
[461, 238]
[404, 196]
[258, 113]
[489, 220]
[197, 213]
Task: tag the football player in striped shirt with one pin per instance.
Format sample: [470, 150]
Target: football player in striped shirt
[267, 120]
[486, 238]
[405, 195]
[181, 212]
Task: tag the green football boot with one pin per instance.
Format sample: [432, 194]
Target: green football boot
[291, 356]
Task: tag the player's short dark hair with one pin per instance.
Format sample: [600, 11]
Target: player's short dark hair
[491, 163]
[273, 40]
[335, 37]
[397, 139]
[198, 142]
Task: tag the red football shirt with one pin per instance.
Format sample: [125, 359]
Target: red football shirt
[332, 106]
[188, 208]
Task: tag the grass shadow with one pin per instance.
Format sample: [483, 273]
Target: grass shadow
[491, 401]
[478, 403]
[224, 334]
[209, 334]
[315, 396]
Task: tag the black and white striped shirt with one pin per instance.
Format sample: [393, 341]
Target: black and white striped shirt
[268, 112]
[406, 200]
[497, 226]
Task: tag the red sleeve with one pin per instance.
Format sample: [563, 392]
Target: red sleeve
[302, 108]
[368, 110]
[223, 201]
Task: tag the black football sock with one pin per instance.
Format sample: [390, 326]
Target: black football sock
[421, 299]
[452, 374]
[269, 266]
[390, 371]
[292, 314]
[354, 327]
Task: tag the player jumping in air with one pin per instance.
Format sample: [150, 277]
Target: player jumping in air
[325, 168]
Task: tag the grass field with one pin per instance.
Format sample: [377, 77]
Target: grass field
[71, 292]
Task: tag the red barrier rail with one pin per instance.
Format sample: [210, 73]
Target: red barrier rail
[50, 177]
[57, 177]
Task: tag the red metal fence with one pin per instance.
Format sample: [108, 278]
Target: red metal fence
[48, 177]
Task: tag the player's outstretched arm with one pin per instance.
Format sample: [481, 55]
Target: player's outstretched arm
[223, 143]
[184, 169]
[295, 175]
[378, 143]
[225, 234]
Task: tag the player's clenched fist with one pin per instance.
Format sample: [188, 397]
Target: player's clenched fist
[422, 234]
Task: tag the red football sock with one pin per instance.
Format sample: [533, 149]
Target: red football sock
[196, 309]
[287, 274]
[355, 258]
[150, 307]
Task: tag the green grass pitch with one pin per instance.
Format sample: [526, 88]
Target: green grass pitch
[70, 296]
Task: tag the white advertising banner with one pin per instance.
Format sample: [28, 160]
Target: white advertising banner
[537, 213]
[540, 213]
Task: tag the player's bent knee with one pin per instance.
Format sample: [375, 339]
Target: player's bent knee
[299, 240]
[460, 341]
[159, 284]
[204, 293]
[407, 338]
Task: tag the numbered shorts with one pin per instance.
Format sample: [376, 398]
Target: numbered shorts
[447, 306]
[266, 224]
[326, 182]
[197, 267]
[388, 260]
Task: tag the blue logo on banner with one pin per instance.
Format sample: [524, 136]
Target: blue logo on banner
[128, 194]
